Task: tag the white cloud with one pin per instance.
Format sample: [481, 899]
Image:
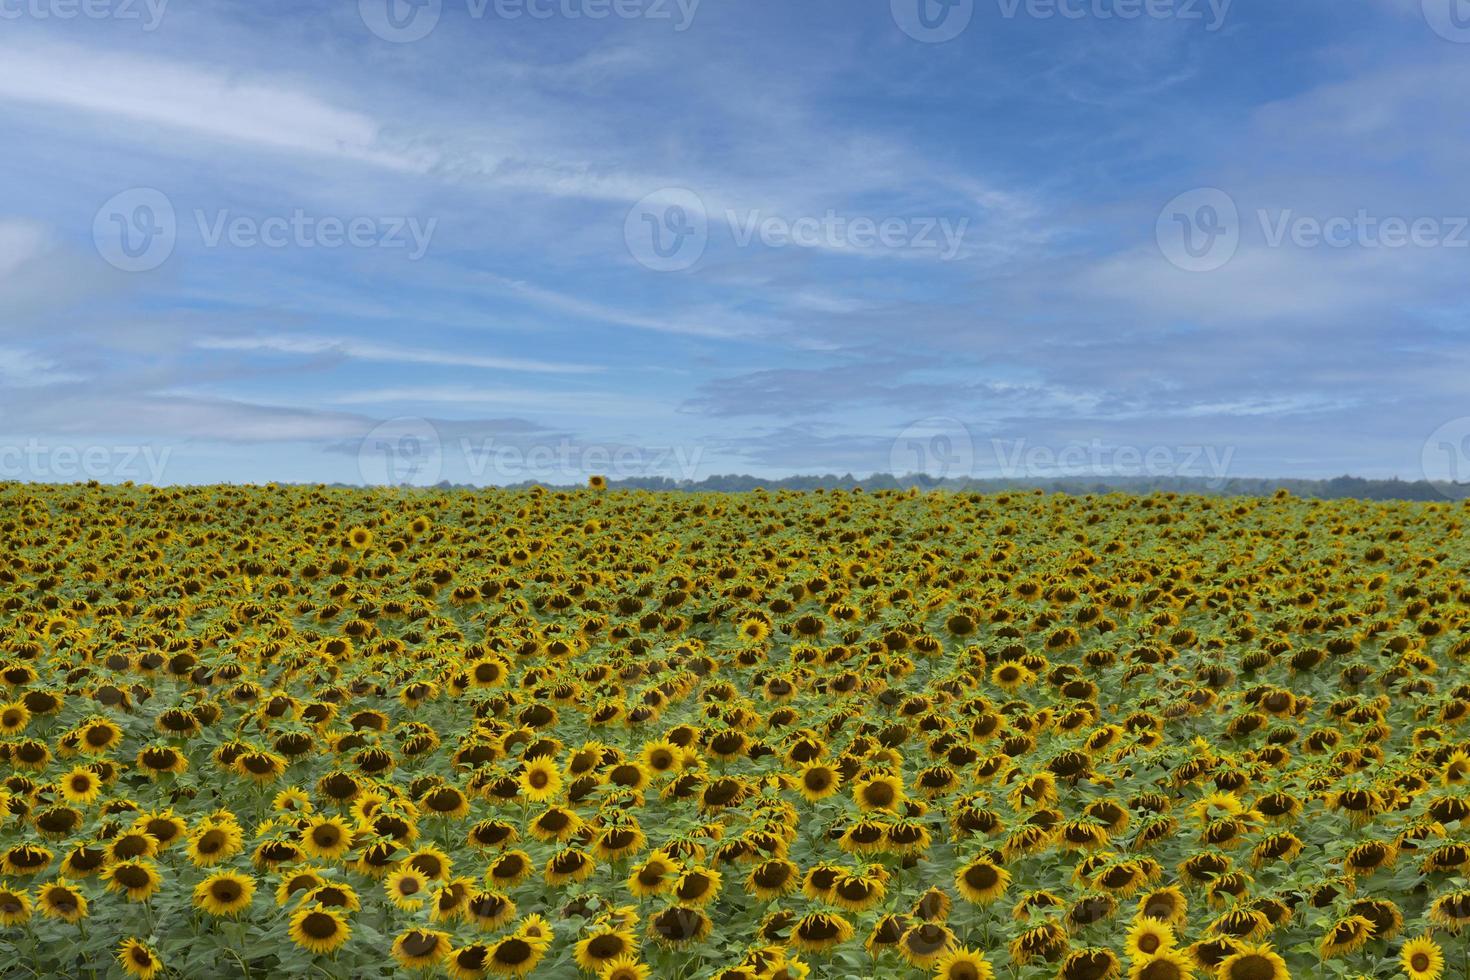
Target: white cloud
[707, 322]
[203, 101]
[1257, 284]
[27, 369]
[387, 353]
[593, 404]
[20, 241]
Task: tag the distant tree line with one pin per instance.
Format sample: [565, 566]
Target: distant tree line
[1337, 488]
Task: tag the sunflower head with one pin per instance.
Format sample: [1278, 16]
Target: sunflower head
[138, 959]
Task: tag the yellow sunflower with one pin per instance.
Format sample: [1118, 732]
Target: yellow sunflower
[982, 881]
[63, 901]
[1422, 959]
[963, 964]
[420, 949]
[225, 893]
[319, 930]
[1253, 963]
[138, 959]
[604, 945]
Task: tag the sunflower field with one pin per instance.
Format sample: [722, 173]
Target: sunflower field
[330, 733]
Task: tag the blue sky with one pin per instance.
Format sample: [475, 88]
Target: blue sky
[251, 241]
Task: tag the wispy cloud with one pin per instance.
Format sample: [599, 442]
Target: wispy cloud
[386, 353]
[207, 102]
[1057, 142]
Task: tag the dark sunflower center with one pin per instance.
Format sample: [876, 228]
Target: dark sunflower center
[677, 924]
[486, 906]
[61, 900]
[1252, 967]
[319, 925]
[878, 794]
[419, 944]
[771, 875]
[131, 876]
[926, 939]
[1088, 966]
[1160, 970]
[607, 946]
[981, 877]
[512, 952]
[444, 799]
[567, 863]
